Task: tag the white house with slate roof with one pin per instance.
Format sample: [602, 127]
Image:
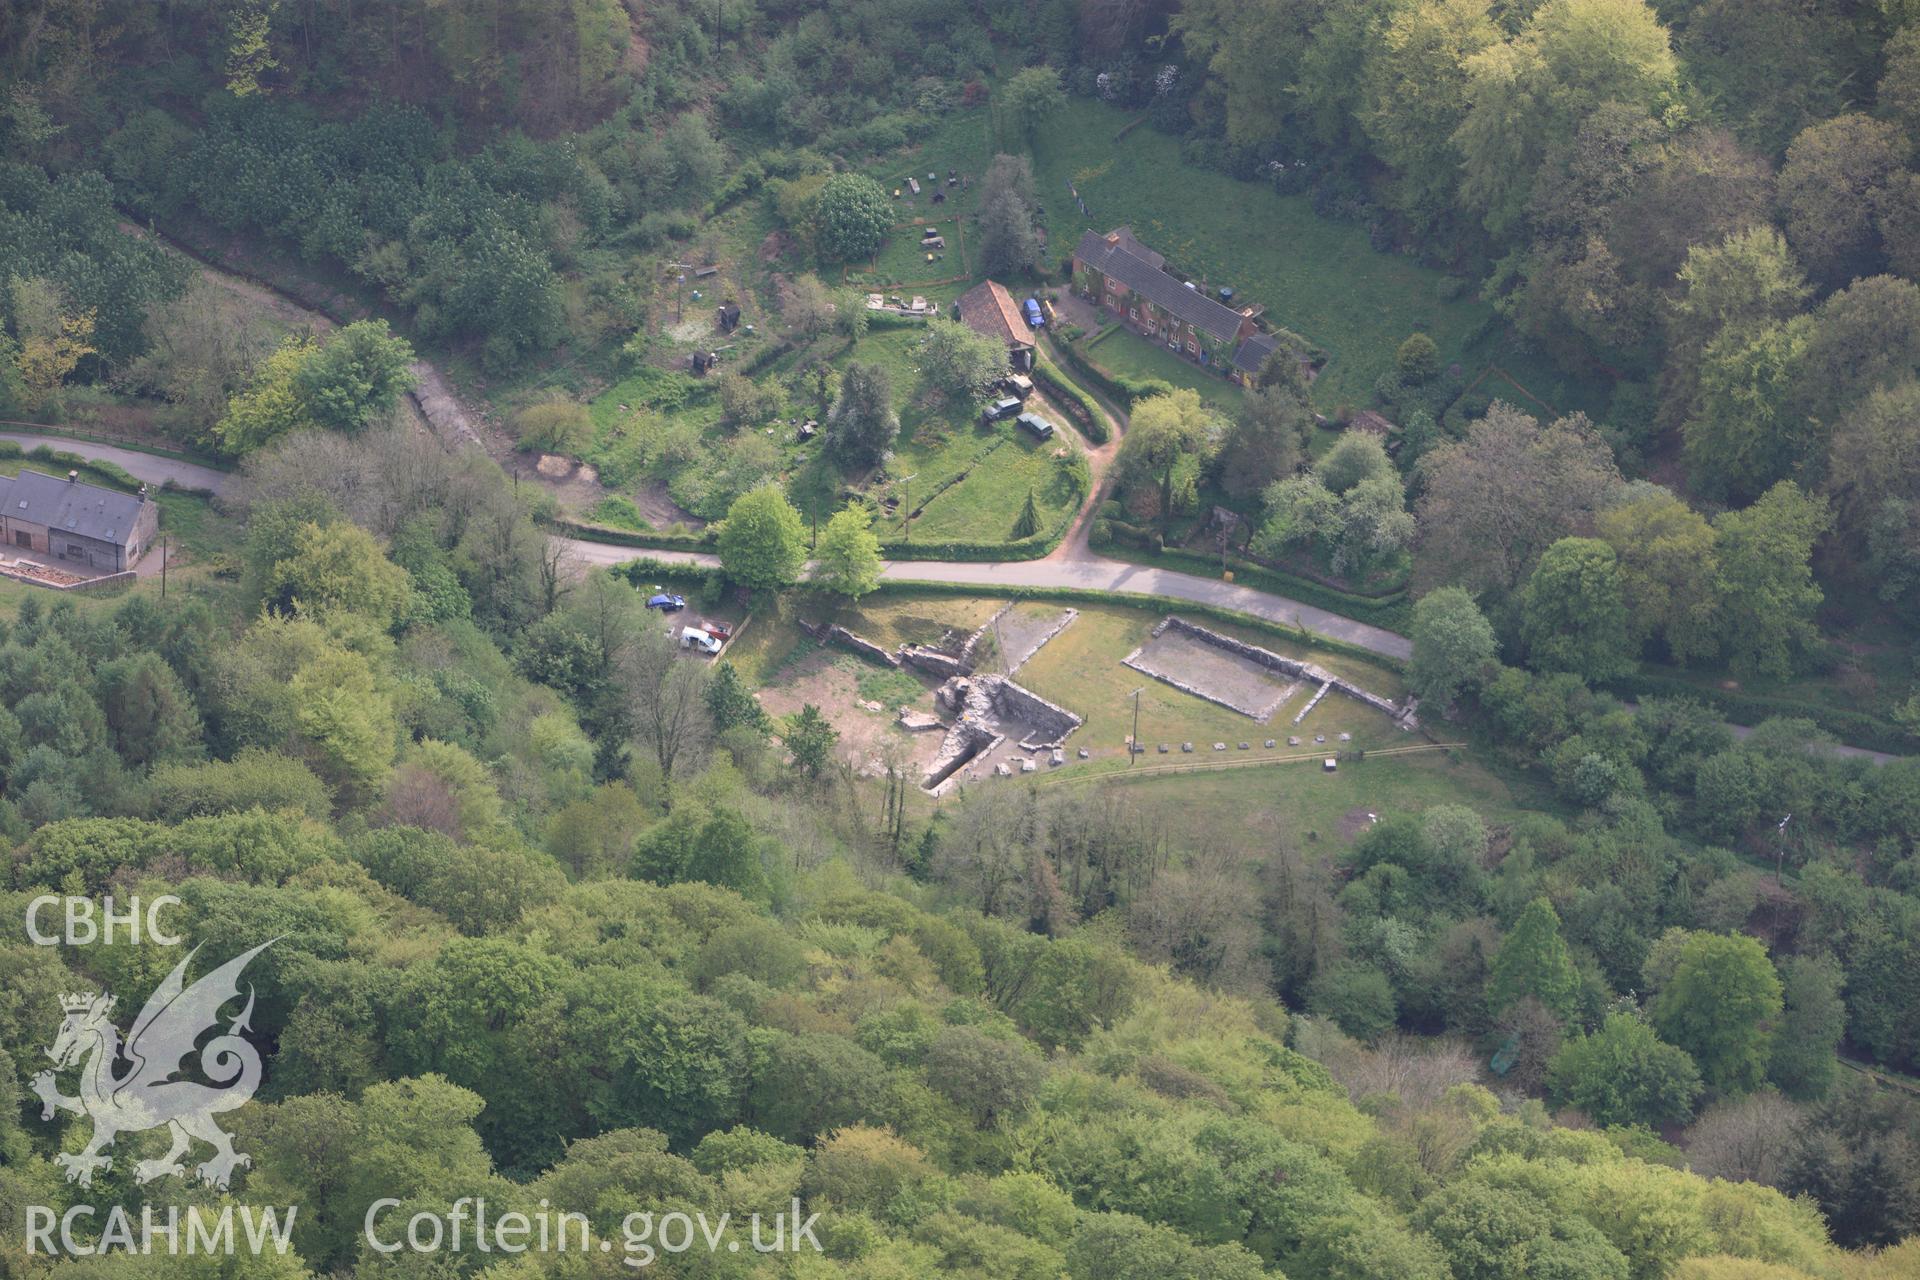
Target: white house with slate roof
[93, 528]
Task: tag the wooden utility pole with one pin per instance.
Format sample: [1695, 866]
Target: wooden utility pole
[163, 566]
[1133, 742]
[907, 506]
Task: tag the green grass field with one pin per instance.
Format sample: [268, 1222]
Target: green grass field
[1319, 278]
[902, 260]
[192, 526]
[1081, 670]
[1304, 804]
[938, 443]
[1125, 352]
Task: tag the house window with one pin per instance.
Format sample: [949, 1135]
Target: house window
[1193, 346]
[1133, 313]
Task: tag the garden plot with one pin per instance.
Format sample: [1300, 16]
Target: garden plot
[1193, 664]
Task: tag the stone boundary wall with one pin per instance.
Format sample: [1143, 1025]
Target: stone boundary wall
[1066, 620]
[981, 706]
[1015, 701]
[933, 661]
[837, 634]
[85, 584]
[965, 743]
[973, 641]
[1401, 715]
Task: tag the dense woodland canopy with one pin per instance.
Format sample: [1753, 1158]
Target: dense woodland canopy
[562, 916]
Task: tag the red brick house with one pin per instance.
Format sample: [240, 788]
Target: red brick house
[1131, 280]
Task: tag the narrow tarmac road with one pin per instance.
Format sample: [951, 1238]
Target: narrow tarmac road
[150, 467]
[1090, 573]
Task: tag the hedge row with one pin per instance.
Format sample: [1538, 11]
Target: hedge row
[646, 572]
[106, 474]
[896, 319]
[765, 356]
[1029, 548]
[1124, 389]
[641, 573]
[614, 536]
[1033, 547]
[1076, 402]
[1855, 728]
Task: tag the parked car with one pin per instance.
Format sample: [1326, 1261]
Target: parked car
[666, 602]
[1034, 319]
[695, 638]
[1039, 426]
[1001, 409]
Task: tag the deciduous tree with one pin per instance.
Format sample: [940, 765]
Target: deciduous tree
[848, 557]
[1623, 1075]
[1572, 614]
[1767, 595]
[358, 374]
[1720, 1006]
[1029, 96]
[1838, 181]
[850, 218]
[1666, 553]
[1168, 429]
[665, 698]
[1529, 96]
[762, 542]
[1453, 646]
[956, 362]
[1533, 960]
[1496, 500]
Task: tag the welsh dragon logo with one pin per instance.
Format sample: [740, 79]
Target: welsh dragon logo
[147, 1095]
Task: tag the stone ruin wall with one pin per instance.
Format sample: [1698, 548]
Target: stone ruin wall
[1294, 668]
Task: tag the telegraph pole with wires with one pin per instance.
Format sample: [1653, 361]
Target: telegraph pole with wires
[1133, 742]
[1780, 852]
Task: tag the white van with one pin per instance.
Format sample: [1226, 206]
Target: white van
[694, 638]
